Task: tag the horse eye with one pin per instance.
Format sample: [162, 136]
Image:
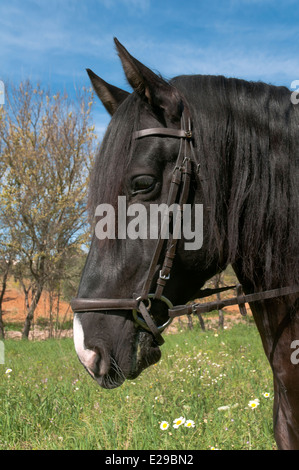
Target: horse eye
[143, 184]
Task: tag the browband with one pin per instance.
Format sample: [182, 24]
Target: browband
[180, 133]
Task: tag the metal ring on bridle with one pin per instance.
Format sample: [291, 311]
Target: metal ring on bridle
[141, 322]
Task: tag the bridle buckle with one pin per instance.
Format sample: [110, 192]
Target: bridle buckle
[165, 277]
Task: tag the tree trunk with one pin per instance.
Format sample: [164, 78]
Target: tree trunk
[3, 289]
[30, 312]
[190, 322]
[201, 321]
[221, 319]
[217, 283]
[2, 332]
[51, 303]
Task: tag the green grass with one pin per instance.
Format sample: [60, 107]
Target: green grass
[49, 402]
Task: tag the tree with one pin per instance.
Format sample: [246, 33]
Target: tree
[48, 146]
[5, 267]
[6, 254]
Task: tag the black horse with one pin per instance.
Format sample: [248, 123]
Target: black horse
[243, 152]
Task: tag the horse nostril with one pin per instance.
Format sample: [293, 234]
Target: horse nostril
[100, 363]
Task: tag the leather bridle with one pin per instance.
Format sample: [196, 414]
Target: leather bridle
[178, 193]
[140, 305]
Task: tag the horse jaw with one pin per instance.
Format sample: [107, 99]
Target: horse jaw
[104, 365]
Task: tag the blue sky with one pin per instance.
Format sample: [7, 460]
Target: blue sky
[54, 41]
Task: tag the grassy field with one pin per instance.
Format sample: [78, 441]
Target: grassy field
[47, 400]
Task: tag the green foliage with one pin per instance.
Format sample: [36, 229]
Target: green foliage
[48, 401]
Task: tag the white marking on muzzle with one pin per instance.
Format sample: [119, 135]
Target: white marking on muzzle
[86, 356]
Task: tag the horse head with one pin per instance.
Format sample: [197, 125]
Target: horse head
[134, 175]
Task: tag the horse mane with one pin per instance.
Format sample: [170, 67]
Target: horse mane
[246, 140]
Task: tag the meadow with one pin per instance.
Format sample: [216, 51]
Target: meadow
[218, 381]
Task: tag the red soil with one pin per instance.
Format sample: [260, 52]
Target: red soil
[15, 310]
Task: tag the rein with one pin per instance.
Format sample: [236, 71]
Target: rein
[140, 305]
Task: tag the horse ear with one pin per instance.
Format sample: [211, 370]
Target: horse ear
[164, 99]
[110, 95]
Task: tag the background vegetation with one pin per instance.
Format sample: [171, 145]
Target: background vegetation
[48, 401]
[209, 372]
[47, 147]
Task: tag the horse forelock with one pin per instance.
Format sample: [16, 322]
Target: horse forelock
[114, 155]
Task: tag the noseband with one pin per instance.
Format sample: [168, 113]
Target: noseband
[140, 305]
